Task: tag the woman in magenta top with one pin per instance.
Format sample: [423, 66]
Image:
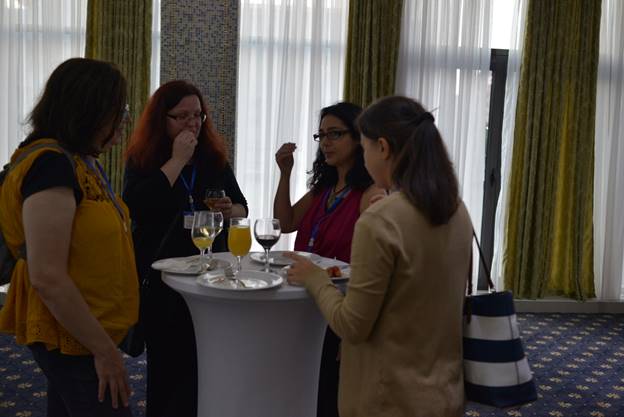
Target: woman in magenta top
[324, 218]
[335, 227]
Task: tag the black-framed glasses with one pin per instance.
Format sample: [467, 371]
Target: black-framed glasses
[125, 118]
[125, 114]
[331, 135]
[184, 118]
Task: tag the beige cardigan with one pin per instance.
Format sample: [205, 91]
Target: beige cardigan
[401, 319]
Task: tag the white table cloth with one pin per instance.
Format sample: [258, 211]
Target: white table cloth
[258, 352]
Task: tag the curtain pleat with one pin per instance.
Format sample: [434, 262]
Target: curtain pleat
[120, 32]
[372, 49]
[291, 62]
[31, 47]
[549, 246]
[609, 165]
[444, 62]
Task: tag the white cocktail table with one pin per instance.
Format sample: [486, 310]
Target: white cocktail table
[258, 352]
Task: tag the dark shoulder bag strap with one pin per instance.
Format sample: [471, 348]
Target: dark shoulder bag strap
[161, 246]
[467, 304]
[483, 263]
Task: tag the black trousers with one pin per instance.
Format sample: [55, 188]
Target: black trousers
[73, 385]
[171, 354]
[327, 405]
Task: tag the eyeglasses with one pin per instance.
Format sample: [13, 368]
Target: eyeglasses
[331, 135]
[125, 118]
[184, 118]
[125, 114]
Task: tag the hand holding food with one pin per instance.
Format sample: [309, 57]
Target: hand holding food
[334, 272]
[284, 157]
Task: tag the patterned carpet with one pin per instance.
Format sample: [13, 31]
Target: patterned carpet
[577, 359]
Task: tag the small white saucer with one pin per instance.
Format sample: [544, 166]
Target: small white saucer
[243, 281]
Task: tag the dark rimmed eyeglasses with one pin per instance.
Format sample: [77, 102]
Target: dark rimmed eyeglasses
[184, 118]
[125, 114]
[125, 118]
[331, 135]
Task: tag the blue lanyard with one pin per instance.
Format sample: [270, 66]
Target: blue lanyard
[189, 188]
[109, 188]
[317, 225]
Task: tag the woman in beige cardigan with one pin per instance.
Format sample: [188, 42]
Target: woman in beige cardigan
[401, 317]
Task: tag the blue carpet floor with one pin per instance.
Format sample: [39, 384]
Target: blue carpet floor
[577, 360]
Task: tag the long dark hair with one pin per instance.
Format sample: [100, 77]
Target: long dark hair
[150, 147]
[422, 168]
[324, 175]
[80, 99]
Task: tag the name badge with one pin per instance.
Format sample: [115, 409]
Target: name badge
[188, 220]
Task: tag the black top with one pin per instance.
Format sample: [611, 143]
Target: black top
[154, 204]
[49, 170]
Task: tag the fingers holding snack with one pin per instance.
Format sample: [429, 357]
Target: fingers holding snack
[334, 271]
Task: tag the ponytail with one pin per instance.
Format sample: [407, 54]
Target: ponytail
[422, 168]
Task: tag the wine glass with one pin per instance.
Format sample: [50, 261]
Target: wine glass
[267, 233]
[239, 239]
[212, 196]
[206, 226]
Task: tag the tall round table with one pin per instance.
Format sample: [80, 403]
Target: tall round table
[258, 352]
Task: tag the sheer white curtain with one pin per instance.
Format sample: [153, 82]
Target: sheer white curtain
[291, 64]
[609, 157]
[444, 63]
[35, 36]
[155, 64]
[516, 40]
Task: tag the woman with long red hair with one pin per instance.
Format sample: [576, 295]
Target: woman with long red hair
[174, 155]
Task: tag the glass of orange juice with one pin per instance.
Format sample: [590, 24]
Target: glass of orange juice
[239, 239]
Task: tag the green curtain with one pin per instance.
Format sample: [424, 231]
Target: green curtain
[549, 239]
[120, 31]
[372, 49]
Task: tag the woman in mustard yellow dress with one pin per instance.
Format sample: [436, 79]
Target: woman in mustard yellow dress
[74, 288]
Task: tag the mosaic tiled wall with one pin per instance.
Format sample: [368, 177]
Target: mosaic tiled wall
[199, 43]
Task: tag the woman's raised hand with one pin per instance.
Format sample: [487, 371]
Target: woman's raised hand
[184, 146]
[284, 157]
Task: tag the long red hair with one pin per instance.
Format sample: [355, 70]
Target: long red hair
[150, 147]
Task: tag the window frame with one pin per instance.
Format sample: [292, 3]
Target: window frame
[492, 174]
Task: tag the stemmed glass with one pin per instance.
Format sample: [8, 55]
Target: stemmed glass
[239, 239]
[267, 233]
[212, 196]
[206, 226]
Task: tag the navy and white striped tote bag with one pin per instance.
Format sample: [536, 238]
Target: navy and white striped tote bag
[496, 370]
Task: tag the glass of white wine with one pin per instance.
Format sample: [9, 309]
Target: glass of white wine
[267, 233]
[212, 197]
[206, 226]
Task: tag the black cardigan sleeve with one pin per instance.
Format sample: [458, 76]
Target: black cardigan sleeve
[149, 196]
[232, 189]
[154, 205]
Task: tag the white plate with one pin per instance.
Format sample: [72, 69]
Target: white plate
[252, 280]
[277, 258]
[190, 265]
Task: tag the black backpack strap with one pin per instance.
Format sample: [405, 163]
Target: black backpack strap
[21, 251]
[37, 147]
